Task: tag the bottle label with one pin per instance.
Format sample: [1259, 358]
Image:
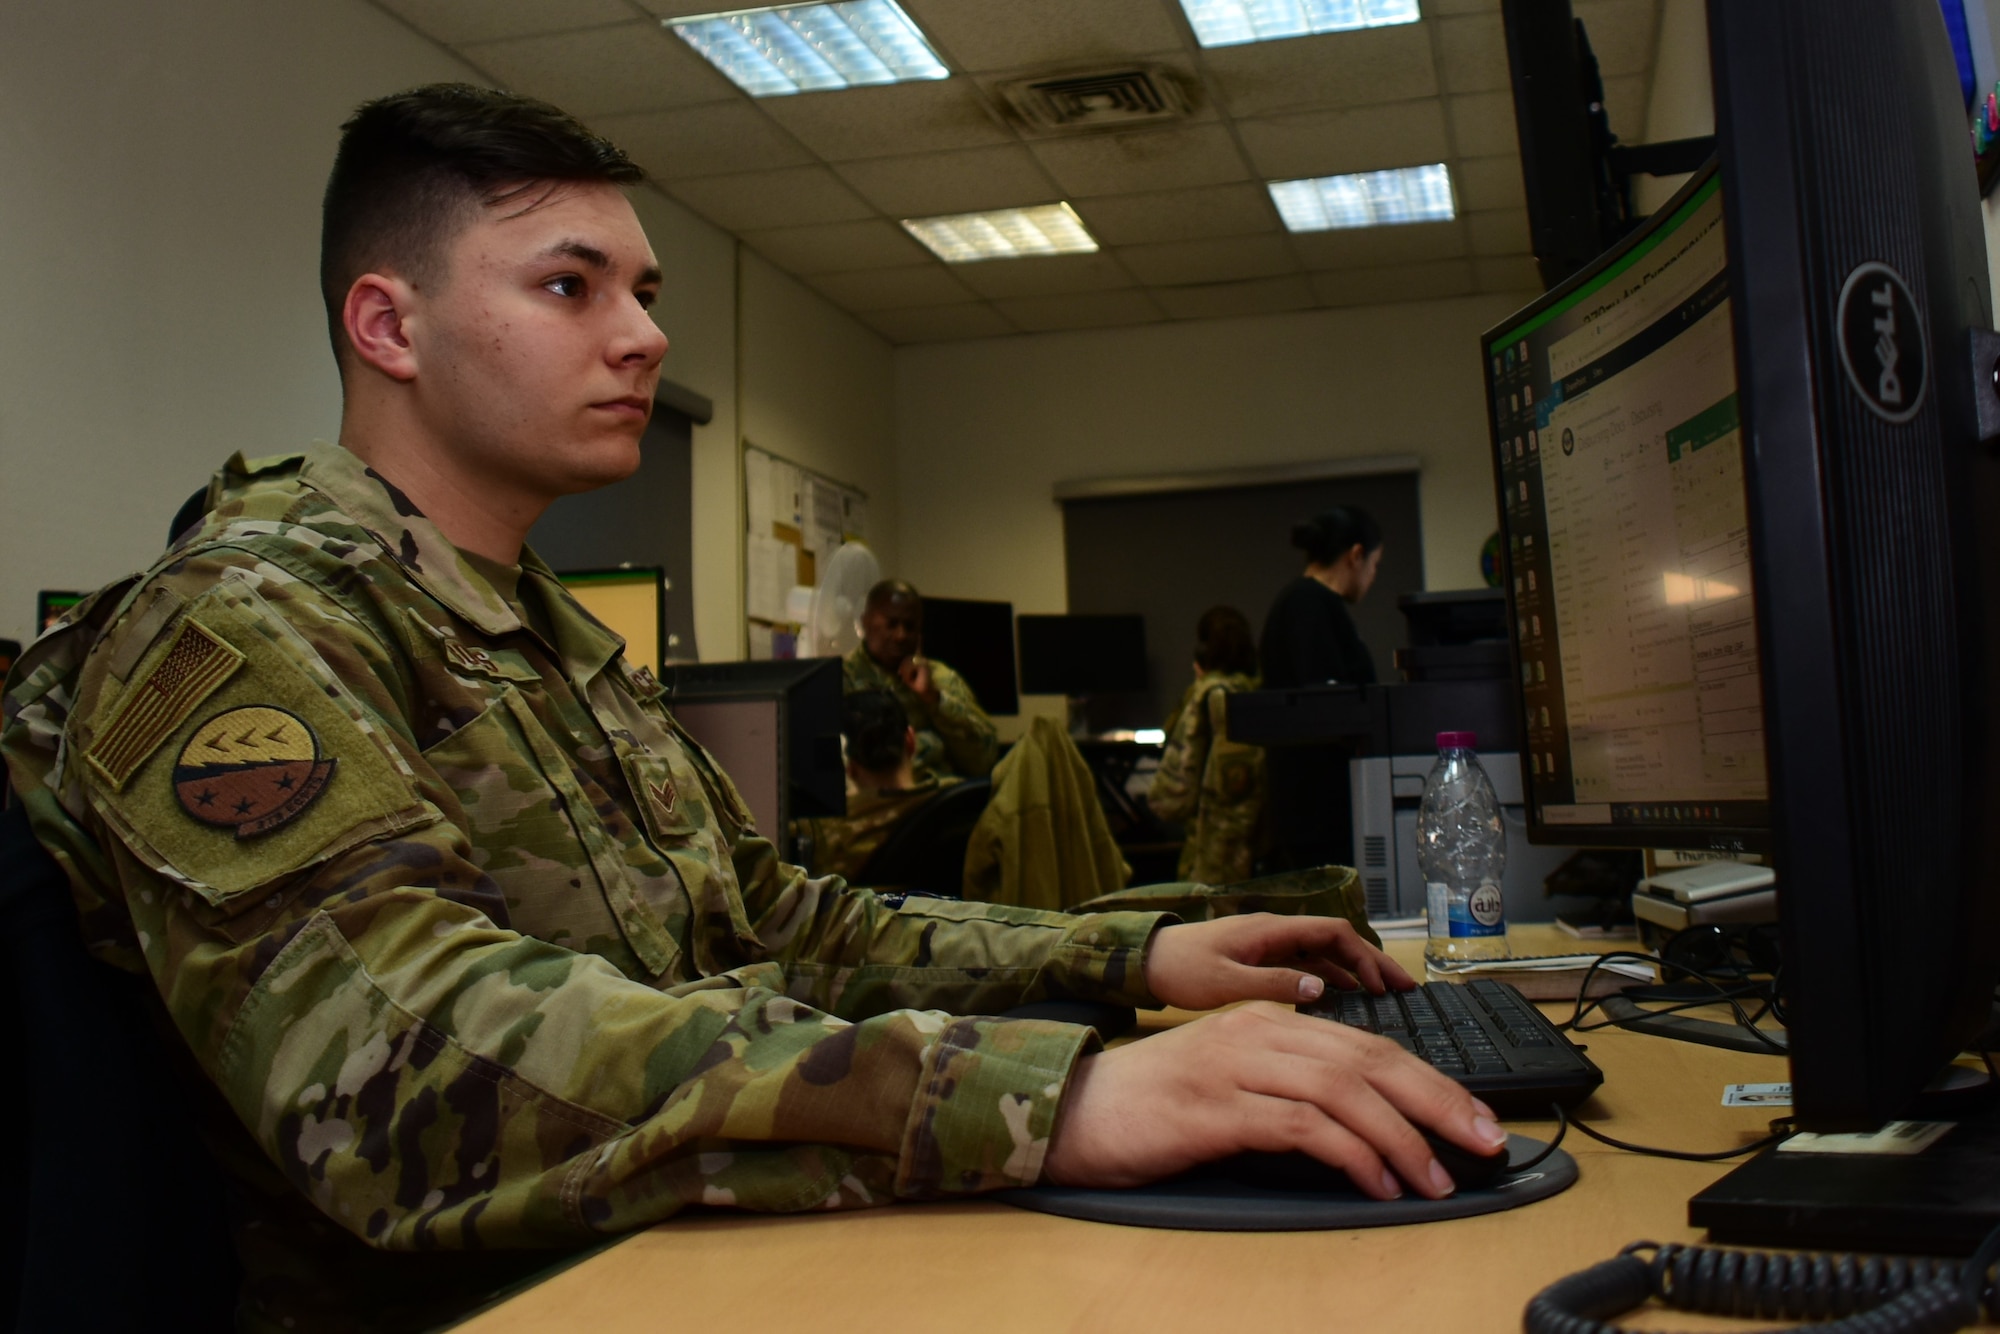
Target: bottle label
[1437, 907]
[1481, 913]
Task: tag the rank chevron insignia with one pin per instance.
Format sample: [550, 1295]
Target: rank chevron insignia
[252, 770]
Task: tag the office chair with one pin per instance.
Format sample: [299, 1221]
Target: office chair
[114, 1210]
[927, 851]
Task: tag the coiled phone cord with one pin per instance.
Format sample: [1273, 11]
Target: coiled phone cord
[1847, 1294]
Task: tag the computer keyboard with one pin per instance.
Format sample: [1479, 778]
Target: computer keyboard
[1482, 1033]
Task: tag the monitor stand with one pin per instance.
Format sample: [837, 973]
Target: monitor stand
[1941, 1201]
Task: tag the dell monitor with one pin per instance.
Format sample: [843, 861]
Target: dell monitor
[1752, 563]
[976, 639]
[1082, 655]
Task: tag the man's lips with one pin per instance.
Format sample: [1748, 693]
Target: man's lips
[634, 404]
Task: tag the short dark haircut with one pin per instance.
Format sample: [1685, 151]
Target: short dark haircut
[874, 724]
[1327, 537]
[1223, 642]
[413, 168]
[894, 590]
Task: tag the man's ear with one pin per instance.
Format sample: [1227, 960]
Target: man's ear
[909, 742]
[377, 317]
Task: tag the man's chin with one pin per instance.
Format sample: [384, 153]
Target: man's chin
[598, 464]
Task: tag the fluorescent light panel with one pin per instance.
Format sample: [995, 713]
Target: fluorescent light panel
[1233, 22]
[1004, 233]
[1367, 199]
[785, 49]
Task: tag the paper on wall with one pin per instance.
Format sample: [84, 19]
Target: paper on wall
[772, 569]
[757, 491]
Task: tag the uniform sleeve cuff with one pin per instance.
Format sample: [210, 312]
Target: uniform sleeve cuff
[1102, 958]
[987, 1105]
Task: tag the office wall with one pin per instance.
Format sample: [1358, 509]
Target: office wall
[164, 165]
[985, 429]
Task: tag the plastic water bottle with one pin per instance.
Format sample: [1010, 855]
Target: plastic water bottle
[1462, 849]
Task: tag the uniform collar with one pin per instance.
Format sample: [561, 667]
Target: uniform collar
[433, 563]
[584, 644]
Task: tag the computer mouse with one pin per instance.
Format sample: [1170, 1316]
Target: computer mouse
[1472, 1171]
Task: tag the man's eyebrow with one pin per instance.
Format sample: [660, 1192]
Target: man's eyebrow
[585, 253]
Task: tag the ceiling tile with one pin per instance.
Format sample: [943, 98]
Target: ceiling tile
[1621, 34]
[982, 35]
[926, 184]
[934, 324]
[1263, 296]
[1482, 125]
[1324, 143]
[626, 67]
[1336, 69]
[1488, 182]
[895, 119]
[791, 197]
[1080, 310]
[1116, 164]
[1404, 282]
[456, 21]
[1213, 261]
[837, 247]
[702, 141]
[1500, 232]
[1436, 7]
[1043, 275]
[1508, 275]
[1474, 54]
[1370, 247]
[893, 289]
[1180, 215]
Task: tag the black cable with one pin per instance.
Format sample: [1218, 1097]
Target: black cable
[1860, 1294]
[1562, 1128]
[1727, 992]
[1684, 1155]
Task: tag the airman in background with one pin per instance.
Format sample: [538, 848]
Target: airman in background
[955, 738]
[1213, 785]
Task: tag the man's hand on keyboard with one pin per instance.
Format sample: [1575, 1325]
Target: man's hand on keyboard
[1260, 956]
[1262, 1077]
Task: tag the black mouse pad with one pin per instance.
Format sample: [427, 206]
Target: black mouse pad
[1213, 1199]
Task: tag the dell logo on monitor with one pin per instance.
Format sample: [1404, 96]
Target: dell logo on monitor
[1882, 342]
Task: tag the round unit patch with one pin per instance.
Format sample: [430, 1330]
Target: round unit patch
[252, 770]
[1882, 342]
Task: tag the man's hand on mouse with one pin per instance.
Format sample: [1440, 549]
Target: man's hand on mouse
[1260, 956]
[1264, 1078]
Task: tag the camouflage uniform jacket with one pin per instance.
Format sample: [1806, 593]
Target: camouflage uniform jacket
[479, 947]
[842, 844]
[1213, 785]
[955, 738]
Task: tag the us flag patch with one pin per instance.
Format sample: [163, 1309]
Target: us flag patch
[199, 661]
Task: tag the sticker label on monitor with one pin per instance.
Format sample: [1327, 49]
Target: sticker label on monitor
[1898, 1139]
[1882, 342]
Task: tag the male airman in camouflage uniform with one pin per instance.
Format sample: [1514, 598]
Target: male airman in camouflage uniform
[479, 949]
[955, 738]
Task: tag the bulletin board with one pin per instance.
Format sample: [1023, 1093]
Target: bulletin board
[794, 520]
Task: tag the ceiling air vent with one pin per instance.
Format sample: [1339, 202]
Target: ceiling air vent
[1107, 99]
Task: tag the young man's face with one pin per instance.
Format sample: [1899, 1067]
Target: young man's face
[536, 357]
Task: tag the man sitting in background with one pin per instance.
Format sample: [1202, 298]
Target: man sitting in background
[882, 784]
[955, 738]
[1042, 841]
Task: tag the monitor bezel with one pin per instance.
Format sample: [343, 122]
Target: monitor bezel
[1730, 839]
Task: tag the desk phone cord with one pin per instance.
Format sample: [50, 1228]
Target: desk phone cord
[1863, 1294]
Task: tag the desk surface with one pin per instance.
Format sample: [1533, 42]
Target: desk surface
[986, 1267]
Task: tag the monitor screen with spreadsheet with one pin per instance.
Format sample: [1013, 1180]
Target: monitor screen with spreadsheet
[1620, 465]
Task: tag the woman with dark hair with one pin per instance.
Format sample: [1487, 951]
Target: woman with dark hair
[1310, 639]
[1309, 636]
[1215, 786]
